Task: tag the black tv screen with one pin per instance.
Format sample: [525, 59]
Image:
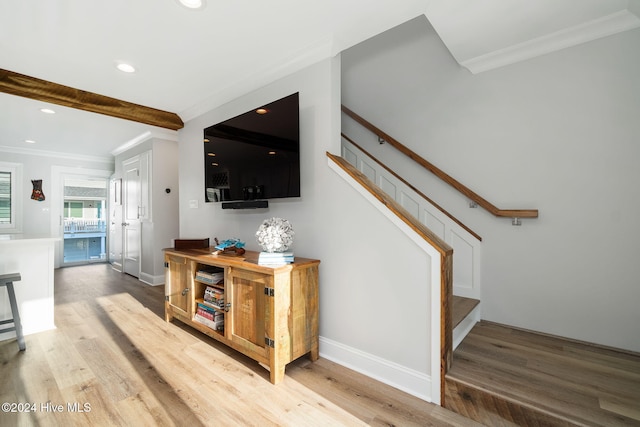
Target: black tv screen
[256, 155]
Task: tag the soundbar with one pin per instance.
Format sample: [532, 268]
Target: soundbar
[246, 204]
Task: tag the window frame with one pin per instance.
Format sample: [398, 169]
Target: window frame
[15, 170]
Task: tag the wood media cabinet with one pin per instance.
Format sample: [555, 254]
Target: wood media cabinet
[267, 313]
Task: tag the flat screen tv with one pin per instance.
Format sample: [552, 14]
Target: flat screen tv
[255, 156]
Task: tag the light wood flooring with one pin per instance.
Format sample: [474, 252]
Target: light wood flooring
[506, 377]
[116, 362]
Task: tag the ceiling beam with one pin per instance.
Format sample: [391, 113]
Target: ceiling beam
[42, 90]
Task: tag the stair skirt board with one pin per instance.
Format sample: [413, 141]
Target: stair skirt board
[415, 383]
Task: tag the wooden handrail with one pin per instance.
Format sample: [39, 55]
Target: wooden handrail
[475, 197]
[414, 189]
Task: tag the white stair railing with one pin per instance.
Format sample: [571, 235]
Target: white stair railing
[466, 246]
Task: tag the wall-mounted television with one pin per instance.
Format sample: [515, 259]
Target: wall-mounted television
[255, 156]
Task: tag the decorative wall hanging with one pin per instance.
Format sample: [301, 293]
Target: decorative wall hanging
[37, 193]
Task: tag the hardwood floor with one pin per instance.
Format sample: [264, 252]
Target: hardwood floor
[114, 361]
[504, 377]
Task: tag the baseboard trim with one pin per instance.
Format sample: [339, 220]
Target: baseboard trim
[415, 383]
[151, 280]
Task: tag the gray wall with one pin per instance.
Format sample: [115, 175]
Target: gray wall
[559, 133]
[157, 233]
[373, 293]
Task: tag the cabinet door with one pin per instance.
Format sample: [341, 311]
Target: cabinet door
[177, 285]
[131, 216]
[249, 309]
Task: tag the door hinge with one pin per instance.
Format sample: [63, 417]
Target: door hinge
[166, 264]
[166, 297]
[269, 292]
[269, 342]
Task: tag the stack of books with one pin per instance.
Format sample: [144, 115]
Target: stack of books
[214, 296]
[275, 259]
[209, 317]
[210, 277]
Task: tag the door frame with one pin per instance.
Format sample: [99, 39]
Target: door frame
[58, 175]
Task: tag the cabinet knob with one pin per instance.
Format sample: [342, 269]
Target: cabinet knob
[227, 307]
[185, 291]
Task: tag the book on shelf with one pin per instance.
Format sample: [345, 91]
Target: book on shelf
[210, 277]
[214, 296]
[275, 259]
[210, 314]
[209, 317]
[213, 305]
[213, 324]
[219, 303]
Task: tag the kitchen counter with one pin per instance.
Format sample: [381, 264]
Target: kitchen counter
[33, 257]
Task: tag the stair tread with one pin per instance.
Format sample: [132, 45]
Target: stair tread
[565, 379]
[461, 308]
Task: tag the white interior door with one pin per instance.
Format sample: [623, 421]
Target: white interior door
[131, 217]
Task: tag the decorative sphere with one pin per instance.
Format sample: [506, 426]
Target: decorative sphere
[275, 235]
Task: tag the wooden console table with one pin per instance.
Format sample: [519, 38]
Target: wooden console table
[267, 313]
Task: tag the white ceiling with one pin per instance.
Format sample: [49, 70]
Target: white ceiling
[191, 61]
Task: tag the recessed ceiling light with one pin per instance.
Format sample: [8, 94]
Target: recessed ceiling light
[47, 111]
[29, 141]
[125, 68]
[206, 140]
[192, 4]
[262, 111]
[272, 153]
[211, 154]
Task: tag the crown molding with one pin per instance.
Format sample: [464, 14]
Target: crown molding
[145, 136]
[602, 27]
[55, 154]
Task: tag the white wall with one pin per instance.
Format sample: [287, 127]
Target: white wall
[373, 296]
[559, 133]
[157, 233]
[164, 205]
[36, 218]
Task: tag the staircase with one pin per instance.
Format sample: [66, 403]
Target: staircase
[461, 307]
[465, 243]
[500, 375]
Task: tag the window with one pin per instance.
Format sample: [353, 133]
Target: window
[10, 206]
[5, 198]
[73, 210]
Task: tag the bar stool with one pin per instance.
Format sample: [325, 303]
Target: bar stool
[7, 280]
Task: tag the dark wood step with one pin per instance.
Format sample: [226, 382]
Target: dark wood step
[507, 376]
[461, 308]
